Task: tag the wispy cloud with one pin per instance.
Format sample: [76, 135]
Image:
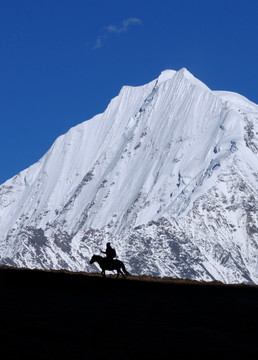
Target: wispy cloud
[115, 29]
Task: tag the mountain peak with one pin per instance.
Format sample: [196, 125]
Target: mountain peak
[190, 77]
[166, 75]
[183, 73]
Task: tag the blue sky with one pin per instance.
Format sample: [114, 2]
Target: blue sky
[62, 61]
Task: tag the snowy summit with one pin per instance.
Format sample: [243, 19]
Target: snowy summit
[167, 174]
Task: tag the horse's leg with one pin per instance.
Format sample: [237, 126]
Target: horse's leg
[103, 273]
[118, 272]
[123, 274]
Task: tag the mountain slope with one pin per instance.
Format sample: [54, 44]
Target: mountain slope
[168, 174]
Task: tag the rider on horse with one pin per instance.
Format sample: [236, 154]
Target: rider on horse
[109, 262]
[110, 253]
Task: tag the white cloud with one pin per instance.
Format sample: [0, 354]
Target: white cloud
[114, 29]
[124, 27]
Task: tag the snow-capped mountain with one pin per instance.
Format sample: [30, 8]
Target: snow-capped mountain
[168, 174]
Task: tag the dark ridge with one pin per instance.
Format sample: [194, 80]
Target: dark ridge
[63, 315]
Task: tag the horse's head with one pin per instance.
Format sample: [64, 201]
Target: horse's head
[93, 259]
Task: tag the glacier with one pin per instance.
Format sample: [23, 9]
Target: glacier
[167, 173]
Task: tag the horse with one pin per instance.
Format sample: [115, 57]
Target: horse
[107, 264]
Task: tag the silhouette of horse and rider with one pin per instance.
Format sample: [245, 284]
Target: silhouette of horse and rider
[109, 262]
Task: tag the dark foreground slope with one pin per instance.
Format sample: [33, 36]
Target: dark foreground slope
[55, 315]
